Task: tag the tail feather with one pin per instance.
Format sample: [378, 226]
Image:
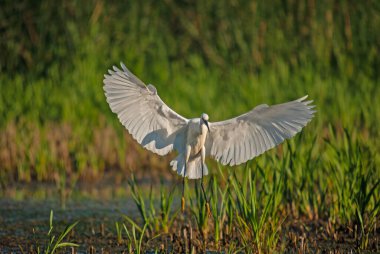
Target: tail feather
[194, 167]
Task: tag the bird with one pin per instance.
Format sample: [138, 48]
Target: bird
[161, 130]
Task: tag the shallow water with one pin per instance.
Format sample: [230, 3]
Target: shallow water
[25, 211]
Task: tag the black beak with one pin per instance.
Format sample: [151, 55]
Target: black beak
[208, 127]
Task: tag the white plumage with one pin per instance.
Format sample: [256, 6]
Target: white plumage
[159, 129]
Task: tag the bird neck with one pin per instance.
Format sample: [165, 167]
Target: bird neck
[203, 129]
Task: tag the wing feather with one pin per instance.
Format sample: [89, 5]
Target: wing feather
[242, 138]
[249, 150]
[252, 139]
[146, 117]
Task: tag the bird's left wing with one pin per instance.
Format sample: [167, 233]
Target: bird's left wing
[242, 138]
[139, 108]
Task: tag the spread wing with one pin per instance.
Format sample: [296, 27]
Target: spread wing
[139, 108]
[242, 138]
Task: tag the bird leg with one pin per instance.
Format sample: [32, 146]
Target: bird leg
[183, 192]
[204, 194]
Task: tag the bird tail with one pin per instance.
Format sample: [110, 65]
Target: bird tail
[194, 167]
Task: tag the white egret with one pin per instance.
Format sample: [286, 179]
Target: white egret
[160, 129]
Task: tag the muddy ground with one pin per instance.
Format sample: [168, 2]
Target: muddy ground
[25, 210]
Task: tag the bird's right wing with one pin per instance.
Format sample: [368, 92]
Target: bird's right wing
[242, 138]
[139, 108]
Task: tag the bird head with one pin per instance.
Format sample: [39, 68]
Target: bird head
[204, 120]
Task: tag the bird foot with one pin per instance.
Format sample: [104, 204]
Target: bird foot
[208, 209]
[183, 204]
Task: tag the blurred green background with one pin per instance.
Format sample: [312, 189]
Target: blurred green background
[220, 57]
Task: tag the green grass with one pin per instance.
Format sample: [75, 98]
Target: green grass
[218, 57]
[254, 204]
